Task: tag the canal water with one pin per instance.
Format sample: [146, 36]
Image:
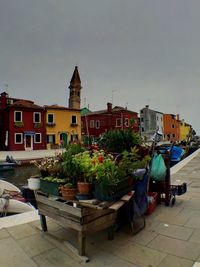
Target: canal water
[19, 175]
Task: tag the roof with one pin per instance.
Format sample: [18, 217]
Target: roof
[55, 106]
[25, 104]
[75, 80]
[105, 111]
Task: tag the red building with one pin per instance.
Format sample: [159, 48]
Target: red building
[22, 124]
[96, 123]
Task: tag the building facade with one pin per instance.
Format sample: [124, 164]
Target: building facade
[94, 124]
[185, 130]
[63, 125]
[171, 127]
[151, 121]
[22, 124]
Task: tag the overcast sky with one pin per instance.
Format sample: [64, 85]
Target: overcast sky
[134, 52]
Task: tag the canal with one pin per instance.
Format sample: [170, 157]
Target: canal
[19, 175]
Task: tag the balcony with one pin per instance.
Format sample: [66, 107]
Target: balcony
[37, 125]
[51, 124]
[74, 124]
[18, 124]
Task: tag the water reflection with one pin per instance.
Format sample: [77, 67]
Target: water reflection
[19, 175]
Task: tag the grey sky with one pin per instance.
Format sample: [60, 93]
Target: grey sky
[148, 51]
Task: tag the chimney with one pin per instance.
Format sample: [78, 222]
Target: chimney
[109, 107]
[147, 106]
[177, 117]
[3, 101]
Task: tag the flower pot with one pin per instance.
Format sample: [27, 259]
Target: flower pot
[68, 193]
[51, 188]
[34, 183]
[84, 188]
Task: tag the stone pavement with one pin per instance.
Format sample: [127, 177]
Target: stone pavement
[171, 237]
[29, 154]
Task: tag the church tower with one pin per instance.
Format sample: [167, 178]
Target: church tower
[75, 90]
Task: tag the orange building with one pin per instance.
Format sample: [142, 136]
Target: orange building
[171, 125]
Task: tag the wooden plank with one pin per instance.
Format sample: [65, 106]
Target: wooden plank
[60, 212]
[94, 216]
[117, 205]
[62, 206]
[100, 223]
[65, 222]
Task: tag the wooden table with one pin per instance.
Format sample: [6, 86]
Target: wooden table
[84, 217]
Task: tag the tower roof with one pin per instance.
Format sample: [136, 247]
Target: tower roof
[75, 80]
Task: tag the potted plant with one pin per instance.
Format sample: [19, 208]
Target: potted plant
[51, 185]
[68, 191]
[84, 164]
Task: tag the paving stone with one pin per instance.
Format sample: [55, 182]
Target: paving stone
[35, 245]
[174, 231]
[185, 249]
[21, 231]
[195, 236]
[196, 264]
[193, 203]
[105, 259]
[193, 222]
[12, 255]
[143, 237]
[179, 219]
[140, 255]
[55, 258]
[3, 234]
[170, 261]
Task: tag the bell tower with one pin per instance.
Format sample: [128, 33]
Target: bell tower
[75, 90]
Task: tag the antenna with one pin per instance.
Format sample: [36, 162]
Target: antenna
[84, 102]
[113, 95]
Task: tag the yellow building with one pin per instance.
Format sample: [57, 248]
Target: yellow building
[63, 125]
[185, 129]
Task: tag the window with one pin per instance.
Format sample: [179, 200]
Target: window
[18, 116]
[173, 126]
[173, 135]
[74, 137]
[50, 118]
[118, 122]
[74, 119]
[18, 138]
[142, 119]
[92, 124]
[97, 124]
[142, 129]
[36, 117]
[51, 139]
[126, 122]
[37, 138]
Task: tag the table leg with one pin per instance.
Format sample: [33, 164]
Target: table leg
[81, 243]
[43, 222]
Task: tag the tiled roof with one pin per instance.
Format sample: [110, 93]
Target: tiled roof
[59, 107]
[25, 104]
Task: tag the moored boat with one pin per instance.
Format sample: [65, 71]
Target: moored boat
[11, 200]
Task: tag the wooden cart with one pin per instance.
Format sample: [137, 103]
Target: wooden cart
[84, 218]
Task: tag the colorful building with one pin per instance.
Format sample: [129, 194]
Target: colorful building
[63, 125]
[22, 124]
[94, 124]
[185, 130]
[151, 121]
[171, 127]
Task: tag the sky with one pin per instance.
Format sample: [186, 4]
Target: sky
[129, 52]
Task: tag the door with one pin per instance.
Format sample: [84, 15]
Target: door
[28, 142]
[63, 139]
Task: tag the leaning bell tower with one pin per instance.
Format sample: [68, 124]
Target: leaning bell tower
[75, 90]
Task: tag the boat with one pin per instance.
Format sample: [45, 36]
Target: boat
[8, 164]
[11, 200]
[176, 153]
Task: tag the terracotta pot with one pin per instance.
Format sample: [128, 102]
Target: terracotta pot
[84, 188]
[68, 193]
